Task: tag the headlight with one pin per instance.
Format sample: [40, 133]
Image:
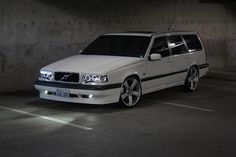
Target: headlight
[46, 75]
[94, 78]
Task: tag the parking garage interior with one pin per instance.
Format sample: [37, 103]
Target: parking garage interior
[171, 122]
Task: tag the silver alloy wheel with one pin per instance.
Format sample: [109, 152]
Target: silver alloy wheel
[193, 78]
[130, 92]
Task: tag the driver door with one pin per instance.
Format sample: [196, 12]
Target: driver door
[158, 70]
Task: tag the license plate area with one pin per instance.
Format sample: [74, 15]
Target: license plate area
[63, 93]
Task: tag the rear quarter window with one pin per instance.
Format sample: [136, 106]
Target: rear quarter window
[193, 43]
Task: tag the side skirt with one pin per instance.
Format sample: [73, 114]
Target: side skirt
[146, 91]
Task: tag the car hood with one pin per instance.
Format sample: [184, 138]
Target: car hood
[91, 63]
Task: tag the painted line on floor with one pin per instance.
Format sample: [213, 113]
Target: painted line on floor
[47, 118]
[212, 86]
[184, 106]
[187, 106]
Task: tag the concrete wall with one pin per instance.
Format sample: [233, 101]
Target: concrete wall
[34, 33]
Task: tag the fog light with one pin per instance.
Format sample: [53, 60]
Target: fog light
[90, 96]
[45, 92]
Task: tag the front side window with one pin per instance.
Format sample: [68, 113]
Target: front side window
[119, 45]
[193, 43]
[160, 46]
[177, 45]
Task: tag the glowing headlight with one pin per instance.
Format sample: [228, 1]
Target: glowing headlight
[94, 78]
[46, 75]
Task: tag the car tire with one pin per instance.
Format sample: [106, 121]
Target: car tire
[131, 92]
[192, 79]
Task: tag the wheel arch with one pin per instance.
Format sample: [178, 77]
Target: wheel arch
[133, 75]
[127, 75]
[193, 65]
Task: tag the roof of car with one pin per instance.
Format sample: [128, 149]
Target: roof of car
[150, 33]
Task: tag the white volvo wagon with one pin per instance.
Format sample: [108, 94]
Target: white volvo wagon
[121, 67]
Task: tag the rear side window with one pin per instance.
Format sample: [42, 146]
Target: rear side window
[160, 46]
[193, 43]
[177, 45]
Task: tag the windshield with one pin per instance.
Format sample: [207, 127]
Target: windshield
[119, 45]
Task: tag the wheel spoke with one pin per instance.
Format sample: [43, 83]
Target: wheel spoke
[196, 79]
[126, 84]
[130, 100]
[136, 93]
[191, 71]
[133, 84]
[195, 74]
[189, 79]
[124, 96]
[191, 85]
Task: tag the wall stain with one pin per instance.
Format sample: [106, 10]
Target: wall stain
[29, 51]
[33, 22]
[17, 67]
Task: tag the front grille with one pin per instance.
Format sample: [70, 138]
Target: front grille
[66, 77]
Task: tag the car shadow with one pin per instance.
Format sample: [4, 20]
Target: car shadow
[107, 108]
[73, 107]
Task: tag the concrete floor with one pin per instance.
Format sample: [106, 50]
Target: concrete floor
[166, 123]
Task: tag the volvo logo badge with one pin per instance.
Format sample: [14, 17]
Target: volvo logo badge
[65, 77]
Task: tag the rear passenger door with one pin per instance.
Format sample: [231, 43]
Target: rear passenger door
[181, 58]
[157, 70]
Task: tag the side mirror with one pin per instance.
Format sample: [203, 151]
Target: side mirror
[155, 56]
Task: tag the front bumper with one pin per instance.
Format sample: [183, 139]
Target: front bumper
[88, 94]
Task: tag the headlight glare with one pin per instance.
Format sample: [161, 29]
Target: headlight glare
[46, 75]
[94, 78]
[87, 78]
